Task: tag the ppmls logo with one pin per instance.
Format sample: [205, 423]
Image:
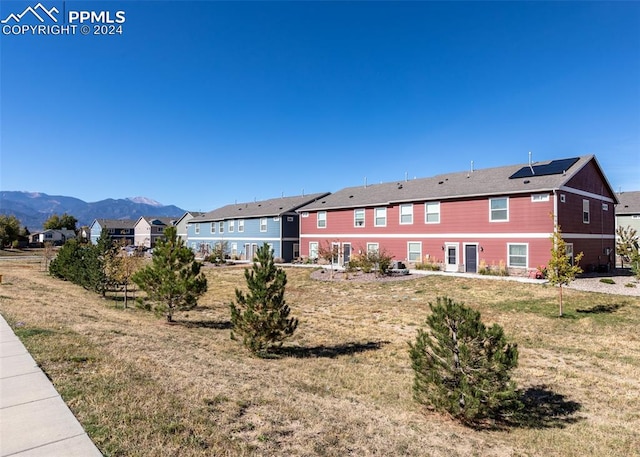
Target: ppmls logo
[38, 11]
[40, 20]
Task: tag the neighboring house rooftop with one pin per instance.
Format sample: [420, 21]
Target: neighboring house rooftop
[507, 180]
[264, 208]
[152, 220]
[115, 223]
[629, 203]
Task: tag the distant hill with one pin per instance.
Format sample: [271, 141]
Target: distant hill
[34, 208]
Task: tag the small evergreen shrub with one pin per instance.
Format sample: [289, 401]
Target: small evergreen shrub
[462, 367]
[607, 281]
[261, 316]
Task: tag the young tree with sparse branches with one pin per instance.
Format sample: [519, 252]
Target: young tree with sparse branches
[173, 280]
[329, 252]
[261, 316]
[462, 367]
[561, 269]
[121, 265]
[626, 243]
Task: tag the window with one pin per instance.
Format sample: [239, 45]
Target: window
[406, 214]
[585, 211]
[605, 207]
[196, 229]
[313, 250]
[518, 255]
[276, 219]
[240, 225]
[540, 198]
[263, 224]
[305, 214]
[380, 217]
[289, 218]
[358, 217]
[221, 227]
[414, 251]
[213, 227]
[322, 219]
[372, 248]
[232, 226]
[563, 198]
[432, 213]
[234, 249]
[499, 208]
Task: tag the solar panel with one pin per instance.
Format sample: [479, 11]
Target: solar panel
[555, 167]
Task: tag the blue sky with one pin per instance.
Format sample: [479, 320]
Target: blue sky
[200, 104]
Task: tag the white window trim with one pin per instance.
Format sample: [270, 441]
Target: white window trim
[491, 219]
[221, 227]
[263, 219]
[375, 217]
[196, 229]
[213, 227]
[373, 247]
[563, 198]
[526, 245]
[426, 212]
[232, 226]
[586, 207]
[400, 208]
[324, 219]
[240, 225]
[355, 219]
[409, 251]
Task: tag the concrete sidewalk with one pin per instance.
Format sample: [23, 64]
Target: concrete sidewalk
[34, 420]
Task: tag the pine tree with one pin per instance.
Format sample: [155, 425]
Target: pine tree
[261, 317]
[561, 270]
[173, 280]
[461, 366]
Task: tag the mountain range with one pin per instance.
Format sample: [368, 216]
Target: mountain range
[33, 208]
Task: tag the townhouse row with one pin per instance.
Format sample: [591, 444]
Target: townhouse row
[503, 215]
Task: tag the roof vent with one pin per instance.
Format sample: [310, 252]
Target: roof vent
[440, 182]
[399, 186]
[350, 196]
[526, 181]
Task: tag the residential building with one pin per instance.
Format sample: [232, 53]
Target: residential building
[57, 237]
[628, 210]
[243, 227]
[181, 224]
[503, 215]
[149, 229]
[119, 230]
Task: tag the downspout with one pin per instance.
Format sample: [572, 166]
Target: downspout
[555, 209]
[555, 213]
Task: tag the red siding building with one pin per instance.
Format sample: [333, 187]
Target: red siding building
[496, 216]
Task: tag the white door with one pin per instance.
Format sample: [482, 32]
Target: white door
[451, 257]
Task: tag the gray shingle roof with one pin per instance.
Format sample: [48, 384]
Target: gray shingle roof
[629, 203]
[116, 223]
[489, 181]
[168, 221]
[264, 208]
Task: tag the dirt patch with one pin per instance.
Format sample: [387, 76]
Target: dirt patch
[358, 276]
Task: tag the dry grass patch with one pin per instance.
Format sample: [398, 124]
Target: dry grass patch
[342, 384]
